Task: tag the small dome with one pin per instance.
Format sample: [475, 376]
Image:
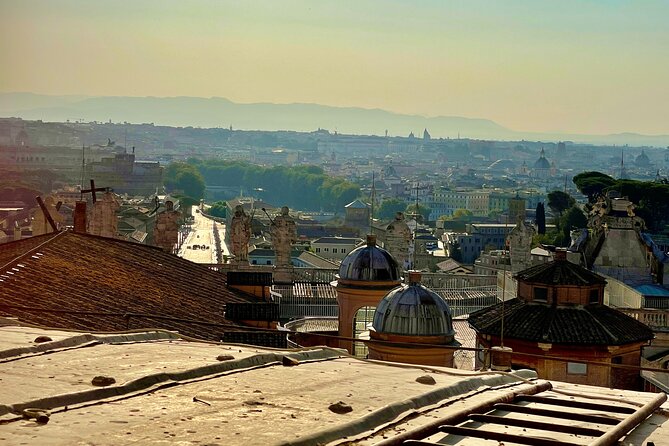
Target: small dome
[369, 263]
[413, 310]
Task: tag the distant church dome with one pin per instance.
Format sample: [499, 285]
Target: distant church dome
[369, 263]
[413, 310]
[642, 160]
[542, 162]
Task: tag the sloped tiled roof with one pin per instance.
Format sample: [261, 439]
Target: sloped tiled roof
[560, 272]
[80, 281]
[592, 324]
[357, 204]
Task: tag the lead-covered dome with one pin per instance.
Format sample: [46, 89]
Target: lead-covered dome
[542, 162]
[413, 310]
[369, 263]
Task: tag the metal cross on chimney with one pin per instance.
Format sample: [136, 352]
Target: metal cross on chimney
[93, 190]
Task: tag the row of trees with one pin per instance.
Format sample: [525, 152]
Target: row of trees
[184, 179]
[303, 187]
[650, 197]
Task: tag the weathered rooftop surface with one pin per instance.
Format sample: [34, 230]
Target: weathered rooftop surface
[590, 324]
[84, 282]
[560, 272]
[171, 391]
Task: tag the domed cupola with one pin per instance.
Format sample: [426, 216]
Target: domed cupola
[369, 263]
[365, 276]
[642, 159]
[413, 314]
[413, 310]
[542, 162]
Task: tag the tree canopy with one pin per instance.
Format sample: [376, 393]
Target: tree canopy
[593, 184]
[423, 212]
[218, 209]
[560, 201]
[185, 178]
[302, 187]
[650, 197]
[390, 207]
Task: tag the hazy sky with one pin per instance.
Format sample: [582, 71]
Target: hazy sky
[599, 66]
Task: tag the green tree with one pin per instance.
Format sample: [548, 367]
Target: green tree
[541, 218]
[423, 212]
[184, 178]
[560, 201]
[462, 214]
[390, 207]
[191, 183]
[593, 184]
[218, 209]
[572, 219]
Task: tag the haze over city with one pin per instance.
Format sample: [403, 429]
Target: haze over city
[329, 222]
[569, 67]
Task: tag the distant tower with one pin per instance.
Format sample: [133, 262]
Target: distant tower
[426, 135]
[623, 172]
[561, 153]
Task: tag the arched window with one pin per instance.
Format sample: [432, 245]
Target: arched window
[362, 322]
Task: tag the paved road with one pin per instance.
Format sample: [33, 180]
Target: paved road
[202, 233]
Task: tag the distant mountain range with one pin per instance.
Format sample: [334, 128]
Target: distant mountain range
[220, 112]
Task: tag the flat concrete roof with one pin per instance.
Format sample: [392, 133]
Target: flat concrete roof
[170, 390]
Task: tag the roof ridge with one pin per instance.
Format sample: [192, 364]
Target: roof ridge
[33, 250]
[614, 338]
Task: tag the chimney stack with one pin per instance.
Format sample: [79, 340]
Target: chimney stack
[560, 254]
[80, 217]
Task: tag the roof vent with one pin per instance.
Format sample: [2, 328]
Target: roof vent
[560, 254]
[414, 277]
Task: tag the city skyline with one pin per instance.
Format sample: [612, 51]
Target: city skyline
[575, 67]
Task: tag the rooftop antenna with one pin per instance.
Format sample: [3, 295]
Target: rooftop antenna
[415, 230]
[373, 196]
[501, 335]
[565, 183]
[83, 169]
[125, 142]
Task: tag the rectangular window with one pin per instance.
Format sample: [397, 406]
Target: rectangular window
[541, 294]
[577, 368]
[318, 249]
[594, 297]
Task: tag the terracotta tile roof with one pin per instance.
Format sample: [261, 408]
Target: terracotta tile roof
[592, 324]
[560, 272]
[11, 250]
[104, 280]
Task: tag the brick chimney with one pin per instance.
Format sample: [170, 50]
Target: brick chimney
[80, 217]
[560, 254]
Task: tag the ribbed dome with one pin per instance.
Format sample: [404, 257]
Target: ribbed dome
[642, 159]
[413, 310]
[369, 263]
